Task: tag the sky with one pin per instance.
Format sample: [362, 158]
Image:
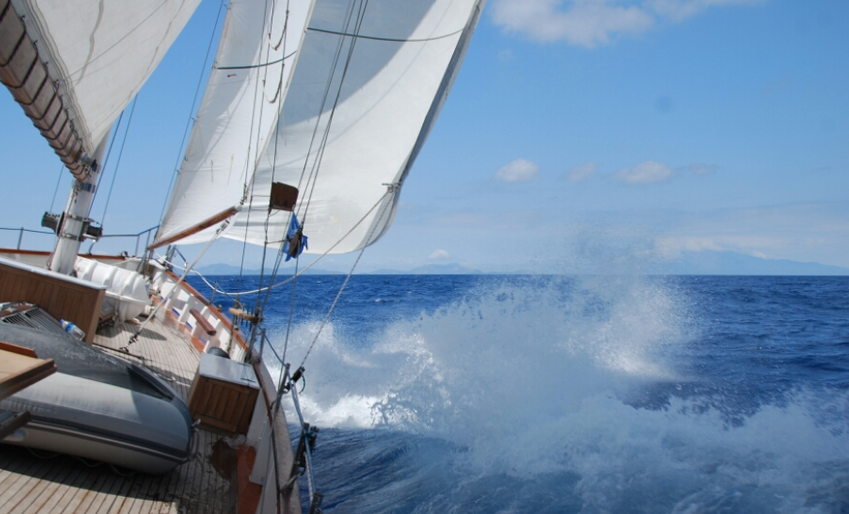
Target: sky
[580, 135]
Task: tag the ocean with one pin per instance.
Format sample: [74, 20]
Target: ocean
[546, 394]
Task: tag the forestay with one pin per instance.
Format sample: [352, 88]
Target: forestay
[370, 80]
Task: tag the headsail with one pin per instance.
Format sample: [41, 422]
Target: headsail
[97, 54]
[256, 54]
[370, 80]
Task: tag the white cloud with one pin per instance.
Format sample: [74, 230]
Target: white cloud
[764, 246]
[645, 173]
[505, 55]
[590, 23]
[670, 247]
[701, 169]
[582, 172]
[799, 232]
[520, 170]
[438, 254]
[678, 10]
[585, 23]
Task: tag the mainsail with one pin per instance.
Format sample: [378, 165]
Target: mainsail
[82, 62]
[370, 79]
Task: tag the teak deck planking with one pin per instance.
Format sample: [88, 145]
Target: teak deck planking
[66, 485]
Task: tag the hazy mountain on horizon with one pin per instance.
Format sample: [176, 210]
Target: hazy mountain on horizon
[431, 269]
[711, 262]
[227, 269]
[706, 262]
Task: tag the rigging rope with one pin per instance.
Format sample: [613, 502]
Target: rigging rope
[152, 315]
[261, 307]
[291, 315]
[108, 153]
[316, 168]
[58, 181]
[251, 183]
[177, 165]
[164, 260]
[118, 163]
[248, 67]
[389, 39]
[392, 189]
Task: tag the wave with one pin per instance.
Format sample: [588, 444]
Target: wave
[571, 395]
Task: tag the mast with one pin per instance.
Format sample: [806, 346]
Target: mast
[74, 225]
[73, 67]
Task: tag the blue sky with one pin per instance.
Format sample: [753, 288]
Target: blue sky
[580, 135]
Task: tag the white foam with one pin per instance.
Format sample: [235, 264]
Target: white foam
[527, 380]
[505, 354]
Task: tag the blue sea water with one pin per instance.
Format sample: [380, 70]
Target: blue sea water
[522, 394]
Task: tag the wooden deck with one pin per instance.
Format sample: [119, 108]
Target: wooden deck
[61, 484]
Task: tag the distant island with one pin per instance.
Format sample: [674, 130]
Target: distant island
[227, 269]
[431, 269]
[689, 263]
[732, 263]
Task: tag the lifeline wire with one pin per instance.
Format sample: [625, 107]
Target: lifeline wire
[152, 315]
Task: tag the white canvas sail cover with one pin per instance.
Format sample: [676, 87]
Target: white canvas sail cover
[101, 52]
[369, 82]
[255, 58]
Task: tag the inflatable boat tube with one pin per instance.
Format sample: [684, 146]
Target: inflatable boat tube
[99, 407]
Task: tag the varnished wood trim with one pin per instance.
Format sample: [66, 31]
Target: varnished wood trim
[221, 216]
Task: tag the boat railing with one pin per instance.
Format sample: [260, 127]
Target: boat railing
[147, 233]
[178, 307]
[306, 439]
[21, 231]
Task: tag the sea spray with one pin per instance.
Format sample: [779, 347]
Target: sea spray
[601, 394]
[497, 365]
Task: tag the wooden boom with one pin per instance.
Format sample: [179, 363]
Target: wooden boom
[218, 218]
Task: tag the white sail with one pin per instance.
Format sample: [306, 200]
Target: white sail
[99, 53]
[370, 81]
[255, 58]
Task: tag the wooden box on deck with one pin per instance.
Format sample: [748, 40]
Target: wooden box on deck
[223, 394]
[61, 296]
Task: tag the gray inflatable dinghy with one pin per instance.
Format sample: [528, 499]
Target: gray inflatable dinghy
[98, 407]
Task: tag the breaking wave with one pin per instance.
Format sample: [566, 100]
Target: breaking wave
[564, 395]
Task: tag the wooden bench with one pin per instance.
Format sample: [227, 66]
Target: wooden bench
[61, 296]
[203, 323]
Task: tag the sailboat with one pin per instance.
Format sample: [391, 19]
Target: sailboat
[312, 118]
